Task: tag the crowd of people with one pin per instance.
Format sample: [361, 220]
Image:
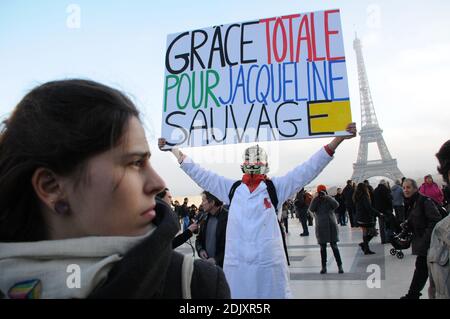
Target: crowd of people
[77, 188]
[404, 206]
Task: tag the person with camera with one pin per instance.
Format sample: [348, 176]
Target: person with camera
[179, 240]
[323, 207]
[210, 242]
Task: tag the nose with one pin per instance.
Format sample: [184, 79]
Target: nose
[153, 183]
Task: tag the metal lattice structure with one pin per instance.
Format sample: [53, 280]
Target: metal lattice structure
[370, 132]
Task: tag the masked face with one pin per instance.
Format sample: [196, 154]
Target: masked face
[255, 161]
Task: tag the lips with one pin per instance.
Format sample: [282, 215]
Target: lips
[149, 213]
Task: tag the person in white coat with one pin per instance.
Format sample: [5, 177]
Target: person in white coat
[255, 264]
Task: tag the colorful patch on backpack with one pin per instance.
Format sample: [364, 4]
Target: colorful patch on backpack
[29, 289]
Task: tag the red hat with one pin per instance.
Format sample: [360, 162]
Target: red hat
[321, 188]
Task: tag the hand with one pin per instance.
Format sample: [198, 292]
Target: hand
[351, 128]
[193, 227]
[203, 255]
[175, 151]
[162, 143]
[211, 260]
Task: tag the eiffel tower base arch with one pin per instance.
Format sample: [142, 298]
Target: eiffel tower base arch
[370, 169]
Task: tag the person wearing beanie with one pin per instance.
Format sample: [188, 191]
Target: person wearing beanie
[430, 189]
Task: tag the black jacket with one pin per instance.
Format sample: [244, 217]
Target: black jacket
[365, 213]
[181, 238]
[153, 270]
[340, 199]
[222, 218]
[299, 201]
[423, 215]
[347, 192]
[382, 199]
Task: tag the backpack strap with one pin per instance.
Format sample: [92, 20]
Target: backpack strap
[233, 189]
[187, 269]
[272, 193]
[274, 199]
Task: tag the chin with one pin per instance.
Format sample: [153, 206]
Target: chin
[142, 231]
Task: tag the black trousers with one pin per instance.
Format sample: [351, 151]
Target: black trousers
[323, 254]
[382, 226]
[351, 215]
[420, 276]
[303, 216]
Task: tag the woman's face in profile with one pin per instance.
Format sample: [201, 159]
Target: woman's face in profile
[117, 196]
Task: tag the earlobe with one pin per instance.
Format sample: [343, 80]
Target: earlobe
[47, 186]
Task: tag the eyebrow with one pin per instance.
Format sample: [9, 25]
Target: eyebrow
[138, 154]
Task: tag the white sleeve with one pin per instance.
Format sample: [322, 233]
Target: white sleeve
[301, 175]
[217, 185]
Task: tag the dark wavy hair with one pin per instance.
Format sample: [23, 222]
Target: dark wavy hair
[443, 157]
[360, 192]
[58, 125]
[211, 198]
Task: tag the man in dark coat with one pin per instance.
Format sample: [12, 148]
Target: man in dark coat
[347, 192]
[340, 211]
[382, 201]
[301, 208]
[210, 243]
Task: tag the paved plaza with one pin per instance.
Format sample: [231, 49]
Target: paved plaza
[365, 276]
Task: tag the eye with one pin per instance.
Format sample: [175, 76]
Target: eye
[139, 163]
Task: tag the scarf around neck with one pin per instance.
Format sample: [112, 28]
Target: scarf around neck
[68, 268]
[409, 202]
[252, 180]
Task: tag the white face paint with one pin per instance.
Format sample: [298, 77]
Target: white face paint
[255, 161]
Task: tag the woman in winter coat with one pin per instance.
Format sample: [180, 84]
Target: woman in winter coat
[78, 213]
[431, 189]
[422, 217]
[323, 207]
[365, 216]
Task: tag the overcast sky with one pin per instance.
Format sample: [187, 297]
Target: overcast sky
[122, 44]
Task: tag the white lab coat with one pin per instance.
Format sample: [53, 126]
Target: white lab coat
[255, 263]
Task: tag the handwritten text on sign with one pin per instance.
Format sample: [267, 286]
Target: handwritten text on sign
[270, 79]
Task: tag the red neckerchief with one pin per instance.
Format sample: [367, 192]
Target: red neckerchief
[252, 180]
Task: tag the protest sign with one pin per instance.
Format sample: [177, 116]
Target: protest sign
[269, 79]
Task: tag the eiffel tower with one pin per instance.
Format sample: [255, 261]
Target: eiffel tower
[370, 132]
